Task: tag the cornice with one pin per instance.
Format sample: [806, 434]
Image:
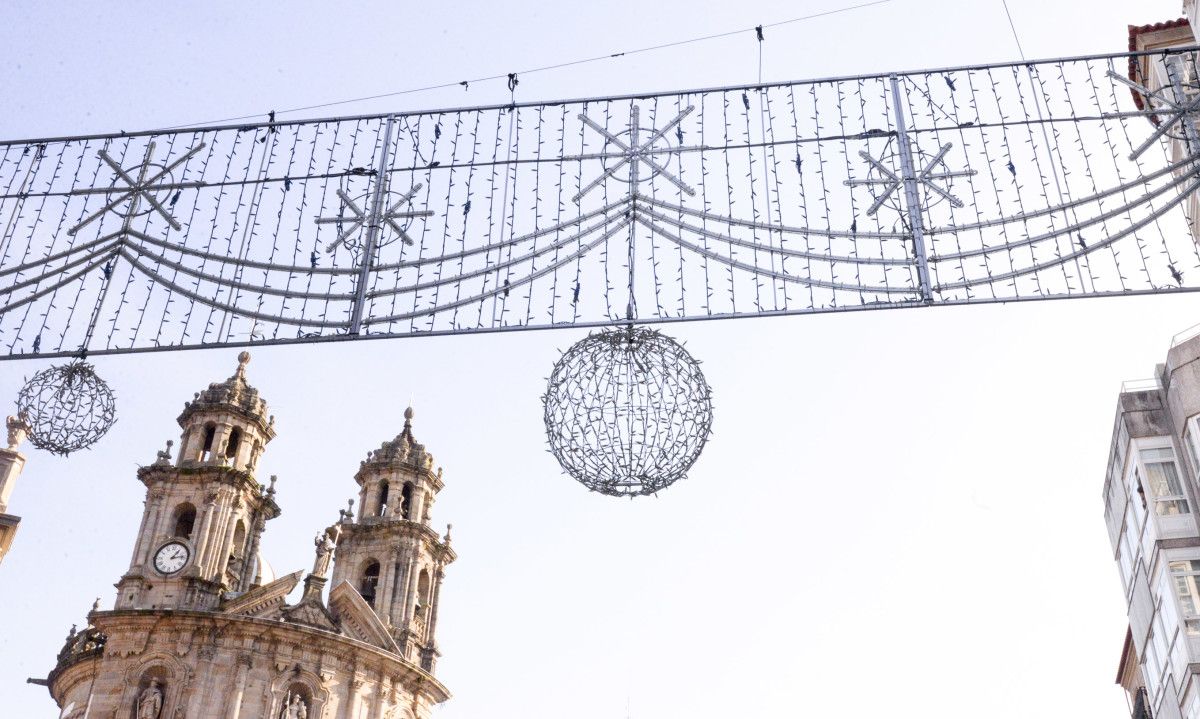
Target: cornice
[140, 621]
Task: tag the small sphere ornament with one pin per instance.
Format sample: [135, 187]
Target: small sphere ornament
[627, 411]
[67, 408]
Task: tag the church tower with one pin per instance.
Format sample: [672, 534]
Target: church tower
[391, 554]
[201, 629]
[205, 513]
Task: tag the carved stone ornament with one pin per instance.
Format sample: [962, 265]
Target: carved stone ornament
[18, 430]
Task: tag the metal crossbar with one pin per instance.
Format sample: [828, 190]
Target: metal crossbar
[969, 185]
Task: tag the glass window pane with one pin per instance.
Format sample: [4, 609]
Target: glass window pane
[1186, 573]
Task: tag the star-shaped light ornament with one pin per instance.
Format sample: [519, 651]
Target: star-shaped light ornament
[934, 170]
[633, 151]
[133, 186]
[1180, 109]
[378, 215]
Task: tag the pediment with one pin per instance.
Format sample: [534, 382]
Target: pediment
[359, 621]
[265, 602]
[310, 613]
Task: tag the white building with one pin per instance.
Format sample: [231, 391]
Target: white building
[1151, 509]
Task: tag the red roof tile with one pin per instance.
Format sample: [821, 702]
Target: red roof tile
[1134, 31]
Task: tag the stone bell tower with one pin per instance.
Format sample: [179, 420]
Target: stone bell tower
[390, 553]
[202, 629]
[205, 512]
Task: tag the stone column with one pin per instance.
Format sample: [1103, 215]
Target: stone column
[397, 568]
[200, 537]
[250, 566]
[217, 541]
[11, 464]
[410, 587]
[226, 547]
[352, 698]
[153, 517]
[235, 709]
[416, 505]
[378, 696]
[387, 577]
[438, 575]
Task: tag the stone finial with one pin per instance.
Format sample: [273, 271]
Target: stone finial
[18, 430]
[96, 605]
[446, 538]
[271, 487]
[408, 415]
[164, 455]
[243, 360]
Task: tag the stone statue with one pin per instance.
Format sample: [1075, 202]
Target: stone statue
[150, 701]
[325, 542]
[294, 708]
[18, 430]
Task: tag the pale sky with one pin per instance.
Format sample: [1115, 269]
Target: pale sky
[898, 513]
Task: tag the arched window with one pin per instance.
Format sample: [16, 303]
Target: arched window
[370, 581]
[185, 520]
[422, 593]
[210, 434]
[406, 500]
[235, 439]
[383, 498]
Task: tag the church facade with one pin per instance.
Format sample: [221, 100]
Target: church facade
[201, 629]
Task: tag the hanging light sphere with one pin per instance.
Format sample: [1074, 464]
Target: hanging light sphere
[627, 411]
[67, 408]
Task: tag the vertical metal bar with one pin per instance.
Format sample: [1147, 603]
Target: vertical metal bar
[374, 216]
[1186, 119]
[912, 200]
[634, 140]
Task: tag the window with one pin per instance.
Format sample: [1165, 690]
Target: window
[383, 498]
[1186, 574]
[369, 582]
[406, 498]
[210, 434]
[185, 520]
[235, 440]
[1162, 477]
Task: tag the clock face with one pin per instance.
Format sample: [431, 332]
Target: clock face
[171, 557]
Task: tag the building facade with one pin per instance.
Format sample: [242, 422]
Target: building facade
[1151, 509]
[201, 628]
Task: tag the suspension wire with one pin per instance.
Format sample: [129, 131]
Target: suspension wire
[1013, 27]
[511, 77]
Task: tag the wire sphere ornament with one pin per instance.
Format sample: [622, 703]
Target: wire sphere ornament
[627, 411]
[67, 408]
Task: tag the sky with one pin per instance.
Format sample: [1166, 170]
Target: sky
[898, 512]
